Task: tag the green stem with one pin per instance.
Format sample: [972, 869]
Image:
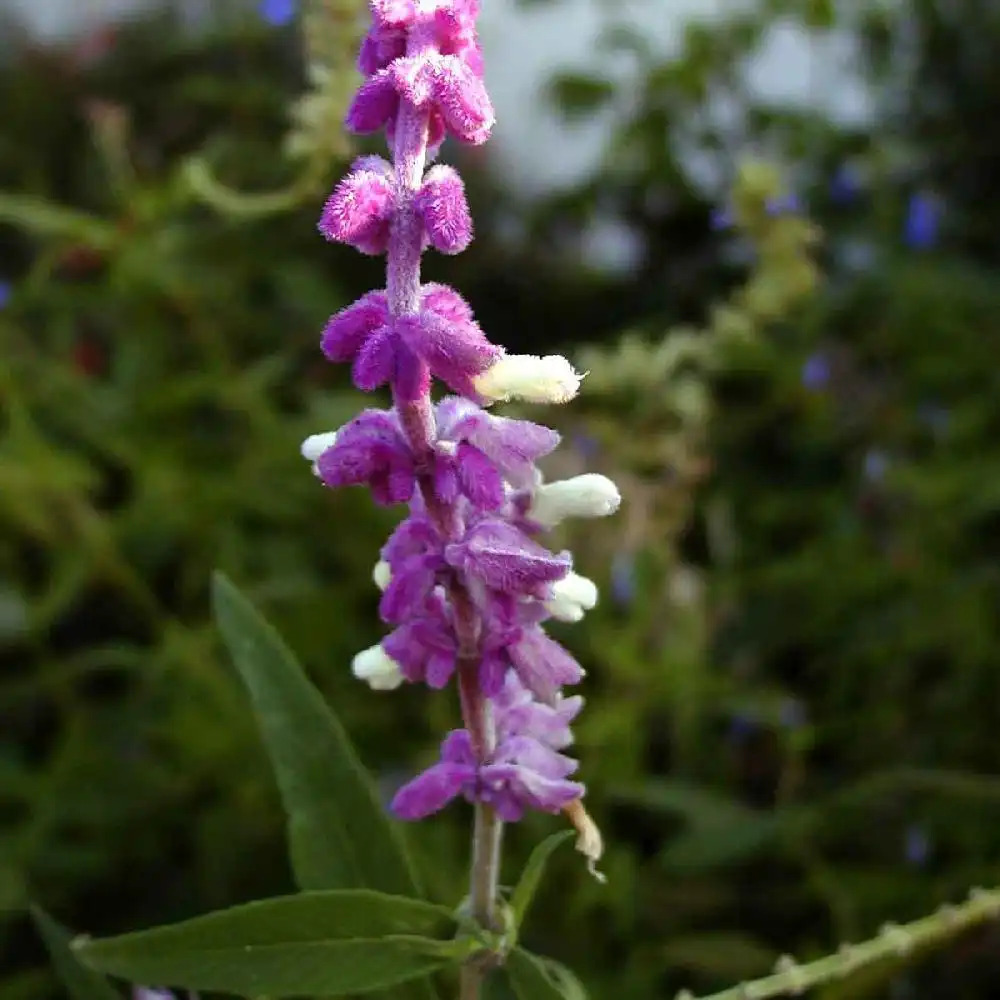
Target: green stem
[894, 941]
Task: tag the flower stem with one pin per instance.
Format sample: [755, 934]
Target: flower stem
[417, 420]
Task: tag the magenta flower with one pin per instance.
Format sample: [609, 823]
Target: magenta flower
[466, 582]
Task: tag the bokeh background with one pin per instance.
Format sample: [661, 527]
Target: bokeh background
[770, 231]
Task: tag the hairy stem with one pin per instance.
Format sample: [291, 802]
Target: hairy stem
[417, 420]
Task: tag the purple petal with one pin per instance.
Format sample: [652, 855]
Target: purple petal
[347, 330]
[432, 791]
[414, 536]
[411, 584]
[360, 210]
[376, 361]
[543, 666]
[375, 103]
[505, 559]
[412, 378]
[442, 206]
[455, 352]
[463, 101]
[480, 480]
[446, 303]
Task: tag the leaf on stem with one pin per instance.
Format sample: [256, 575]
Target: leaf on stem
[323, 943]
[531, 877]
[81, 983]
[339, 834]
[535, 978]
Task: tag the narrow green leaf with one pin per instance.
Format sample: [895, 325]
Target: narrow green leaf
[535, 978]
[81, 983]
[531, 877]
[339, 834]
[326, 943]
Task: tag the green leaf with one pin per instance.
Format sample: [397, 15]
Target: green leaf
[339, 834]
[535, 978]
[81, 983]
[327, 943]
[526, 888]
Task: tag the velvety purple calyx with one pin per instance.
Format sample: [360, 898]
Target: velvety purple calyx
[443, 86]
[442, 340]
[521, 773]
[514, 446]
[440, 203]
[451, 28]
[503, 558]
[371, 451]
[361, 208]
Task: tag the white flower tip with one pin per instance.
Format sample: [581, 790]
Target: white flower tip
[589, 841]
[381, 574]
[571, 597]
[316, 444]
[551, 379]
[377, 669]
[589, 495]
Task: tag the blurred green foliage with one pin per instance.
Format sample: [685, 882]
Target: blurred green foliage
[793, 686]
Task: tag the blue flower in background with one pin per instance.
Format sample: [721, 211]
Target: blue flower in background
[923, 220]
[816, 372]
[916, 846]
[623, 579]
[786, 204]
[6, 291]
[846, 184]
[721, 219]
[278, 12]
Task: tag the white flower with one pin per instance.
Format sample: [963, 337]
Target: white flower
[381, 574]
[315, 445]
[551, 379]
[589, 495]
[379, 670]
[571, 597]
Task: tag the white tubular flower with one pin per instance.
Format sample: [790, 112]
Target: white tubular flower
[377, 669]
[382, 574]
[571, 597]
[589, 495]
[551, 379]
[315, 445]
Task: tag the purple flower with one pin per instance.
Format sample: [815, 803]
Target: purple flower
[6, 293]
[923, 220]
[816, 372]
[521, 773]
[466, 583]
[278, 12]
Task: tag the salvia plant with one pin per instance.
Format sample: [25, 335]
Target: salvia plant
[466, 588]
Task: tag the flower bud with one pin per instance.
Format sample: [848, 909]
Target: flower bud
[571, 597]
[382, 574]
[551, 379]
[315, 445]
[377, 669]
[589, 495]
